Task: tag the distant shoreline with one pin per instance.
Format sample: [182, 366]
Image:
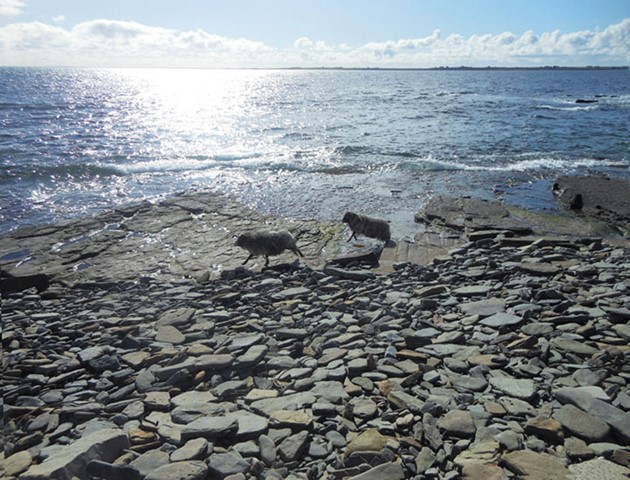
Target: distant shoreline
[428, 69]
[462, 68]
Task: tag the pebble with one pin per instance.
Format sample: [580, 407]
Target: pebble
[500, 359]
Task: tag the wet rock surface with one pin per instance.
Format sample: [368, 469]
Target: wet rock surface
[500, 359]
[191, 235]
[597, 196]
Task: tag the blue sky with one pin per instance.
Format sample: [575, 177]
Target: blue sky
[277, 33]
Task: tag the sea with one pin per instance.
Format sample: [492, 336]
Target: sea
[303, 143]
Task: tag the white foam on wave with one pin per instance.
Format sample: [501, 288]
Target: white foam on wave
[185, 164]
[499, 164]
[575, 108]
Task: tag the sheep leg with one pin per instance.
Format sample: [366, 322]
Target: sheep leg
[247, 259]
[352, 236]
[266, 260]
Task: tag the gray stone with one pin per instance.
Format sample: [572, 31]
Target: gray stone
[574, 346]
[209, 428]
[458, 423]
[523, 389]
[192, 397]
[253, 356]
[499, 320]
[598, 469]
[424, 460]
[390, 471]
[195, 449]
[267, 449]
[331, 391]
[472, 291]
[72, 460]
[250, 425]
[484, 308]
[169, 334]
[188, 413]
[17, 463]
[529, 464]
[149, 461]
[617, 419]
[221, 465]
[184, 470]
[581, 423]
[465, 382]
[292, 448]
[294, 401]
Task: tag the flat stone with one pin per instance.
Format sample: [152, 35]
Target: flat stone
[209, 428]
[214, 361]
[573, 346]
[150, 461]
[294, 419]
[535, 465]
[523, 389]
[192, 397]
[545, 428]
[542, 269]
[169, 334]
[292, 293]
[250, 425]
[589, 427]
[253, 356]
[468, 383]
[72, 460]
[484, 308]
[368, 441]
[598, 469]
[458, 423]
[403, 400]
[479, 471]
[176, 317]
[331, 391]
[185, 470]
[483, 452]
[292, 447]
[390, 471]
[472, 291]
[195, 449]
[294, 401]
[499, 320]
[222, 465]
[17, 463]
[617, 419]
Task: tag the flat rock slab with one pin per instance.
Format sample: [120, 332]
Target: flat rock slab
[598, 196]
[72, 461]
[470, 214]
[530, 464]
[191, 235]
[618, 420]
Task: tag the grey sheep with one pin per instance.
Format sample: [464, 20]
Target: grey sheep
[368, 226]
[266, 244]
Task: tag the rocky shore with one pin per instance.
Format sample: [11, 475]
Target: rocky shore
[504, 357]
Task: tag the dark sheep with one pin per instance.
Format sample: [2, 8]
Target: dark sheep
[266, 244]
[367, 226]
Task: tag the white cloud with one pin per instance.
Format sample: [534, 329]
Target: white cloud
[105, 42]
[59, 18]
[11, 8]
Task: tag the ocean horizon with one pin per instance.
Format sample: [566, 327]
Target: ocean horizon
[305, 143]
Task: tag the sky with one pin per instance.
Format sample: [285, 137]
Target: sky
[314, 33]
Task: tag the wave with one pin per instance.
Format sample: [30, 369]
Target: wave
[11, 173]
[575, 108]
[495, 164]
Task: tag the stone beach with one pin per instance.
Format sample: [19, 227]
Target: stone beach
[503, 356]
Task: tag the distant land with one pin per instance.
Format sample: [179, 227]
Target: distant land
[554, 67]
